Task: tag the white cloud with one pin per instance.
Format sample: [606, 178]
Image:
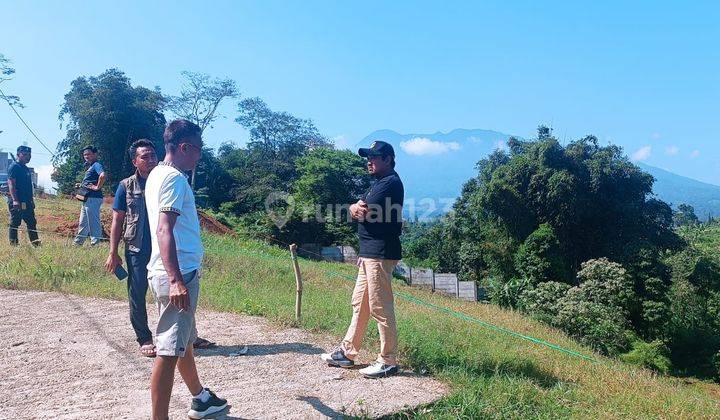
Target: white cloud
[672, 150]
[655, 136]
[501, 145]
[44, 172]
[341, 142]
[425, 146]
[642, 153]
[695, 153]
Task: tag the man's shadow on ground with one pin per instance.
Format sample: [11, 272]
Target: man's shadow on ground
[322, 408]
[259, 350]
[315, 402]
[224, 415]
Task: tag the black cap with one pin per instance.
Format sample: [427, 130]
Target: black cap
[378, 148]
[23, 149]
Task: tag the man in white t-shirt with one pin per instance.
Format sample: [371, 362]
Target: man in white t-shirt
[174, 271]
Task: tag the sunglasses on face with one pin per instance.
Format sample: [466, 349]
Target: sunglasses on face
[198, 148]
[370, 158]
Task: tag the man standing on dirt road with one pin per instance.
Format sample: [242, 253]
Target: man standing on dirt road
[130, 223]
[379, 216]
[20, 197]
[174, 271]
[129, 210]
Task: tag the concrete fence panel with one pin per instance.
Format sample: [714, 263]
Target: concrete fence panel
[446, 283]
[421, 277]
[467, 290]
[332, 253]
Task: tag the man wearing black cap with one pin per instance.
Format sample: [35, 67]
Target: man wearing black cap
[379, 215]
[20, 199]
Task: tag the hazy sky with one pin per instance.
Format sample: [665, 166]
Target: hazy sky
[644, 75]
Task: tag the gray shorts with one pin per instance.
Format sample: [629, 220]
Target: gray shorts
[176, 328]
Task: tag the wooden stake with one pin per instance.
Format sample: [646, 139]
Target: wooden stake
[298, 282]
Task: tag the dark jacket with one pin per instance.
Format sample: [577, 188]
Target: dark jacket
[136, 214]
[379, 233]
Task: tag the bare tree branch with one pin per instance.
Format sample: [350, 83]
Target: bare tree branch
[200, 98]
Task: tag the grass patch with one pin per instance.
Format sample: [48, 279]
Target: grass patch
[491, 375]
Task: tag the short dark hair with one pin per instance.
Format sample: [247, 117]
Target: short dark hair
[90, 148]
[179, 130]
[138, 144]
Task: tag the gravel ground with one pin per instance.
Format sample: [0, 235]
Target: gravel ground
[64, 356]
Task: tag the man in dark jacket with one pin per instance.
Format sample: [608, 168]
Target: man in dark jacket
[129, 210]
[20, 197]
[379, 215]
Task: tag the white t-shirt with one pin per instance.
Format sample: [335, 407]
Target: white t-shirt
[168, 190]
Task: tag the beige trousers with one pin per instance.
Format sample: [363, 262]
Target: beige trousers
[373, 296]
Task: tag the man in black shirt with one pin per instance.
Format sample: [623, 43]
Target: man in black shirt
[379, 215]
[20, 197]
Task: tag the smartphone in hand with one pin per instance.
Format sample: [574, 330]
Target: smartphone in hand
[120, 272]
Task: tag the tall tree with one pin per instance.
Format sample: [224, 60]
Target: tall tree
[108, 112]
[198, 102]
[329, 181]
[685, 215]
[200, 98]
[328, 177]
[268, 163]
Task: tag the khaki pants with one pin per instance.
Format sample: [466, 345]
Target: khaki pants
[373, 296]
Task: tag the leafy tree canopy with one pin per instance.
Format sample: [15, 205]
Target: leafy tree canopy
[108, 112]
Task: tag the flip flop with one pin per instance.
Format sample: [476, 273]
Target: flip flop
[148, 350]
[201, 343]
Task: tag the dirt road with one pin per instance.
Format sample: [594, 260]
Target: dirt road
[65, 356]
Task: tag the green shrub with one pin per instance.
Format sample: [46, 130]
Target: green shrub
[506, 293]
[605, 282]
[600, 326]
[595, 311]
[654, 355]
[542, 302]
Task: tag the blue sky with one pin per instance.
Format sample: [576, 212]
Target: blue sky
[644, 75]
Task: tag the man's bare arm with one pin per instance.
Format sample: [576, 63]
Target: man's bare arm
[13, 192]
[100, 183]
[168, 253]
[114, 259]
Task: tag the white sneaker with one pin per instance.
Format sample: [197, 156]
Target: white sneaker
[379, 370]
